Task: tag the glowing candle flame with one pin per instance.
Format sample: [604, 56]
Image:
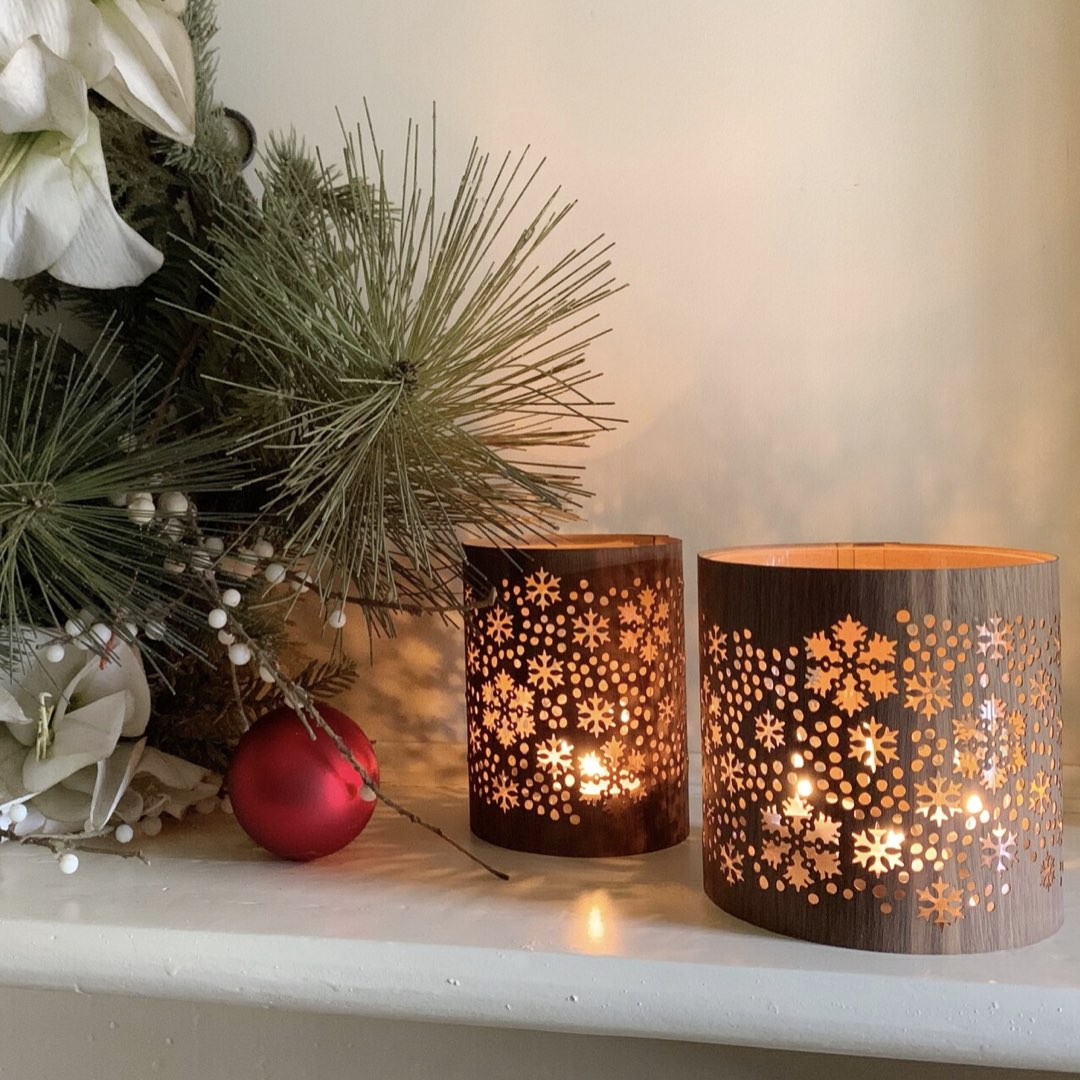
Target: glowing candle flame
[805, 788]
[974, 804]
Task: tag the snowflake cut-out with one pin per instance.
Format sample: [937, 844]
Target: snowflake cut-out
[555, 756]
[942, 903]
[991, 745]
[504, 792]
[872, 744]
[716, 644]
[769, 731]
[939, 800]
[879, 850]
[803, 847]
[928, 692]
[596, 715]
[845, 667]
[591, 630]
[731, 862]
[542, 589]
[995, 638]
[545, 672]
[999, 849]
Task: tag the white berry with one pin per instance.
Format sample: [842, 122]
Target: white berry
[231, 598]
[173, 504]
[218, 618]
[173, 567]
[337, 619]
[214, 544]
[18, 812]
[239, 654]
[118, 498]
[226, 804]
[263, 549]
[151, 826]
[155, 631]
[69, 862]
[274, 573]
[54, 653]
[173, 529]
[141, 510]
[101, 634]
[206, 806]
[267, 675]
[124, 834]
[225, 637]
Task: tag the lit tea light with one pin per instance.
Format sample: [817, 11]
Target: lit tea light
[974, 804]
[804, 788]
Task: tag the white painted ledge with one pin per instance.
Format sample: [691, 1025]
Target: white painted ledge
[400, 927]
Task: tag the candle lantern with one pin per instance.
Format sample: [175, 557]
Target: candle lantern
[881, 743]
[576, 695]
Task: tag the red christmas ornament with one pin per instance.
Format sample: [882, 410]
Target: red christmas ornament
[298, 797]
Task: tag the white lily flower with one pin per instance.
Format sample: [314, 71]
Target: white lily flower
[72, 29]
[154, 76]
[88, 766]
[56, 210]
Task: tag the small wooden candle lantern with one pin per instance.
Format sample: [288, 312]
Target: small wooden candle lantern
[576, 695]
[881, 743]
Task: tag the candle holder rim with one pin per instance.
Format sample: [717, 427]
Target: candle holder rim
[577, 542]
[764, 556]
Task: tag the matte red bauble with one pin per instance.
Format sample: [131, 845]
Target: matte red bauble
[298, 797]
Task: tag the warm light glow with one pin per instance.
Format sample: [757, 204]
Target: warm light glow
[871, 754]
[896, 837]
[624, 716]
[593, 775]
[798, 760]
[805, 788]
[594, 925]
[974, 804]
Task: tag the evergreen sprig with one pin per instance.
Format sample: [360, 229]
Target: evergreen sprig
[72, 431]
[399, 365]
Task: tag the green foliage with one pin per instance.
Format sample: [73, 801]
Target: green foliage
[74, 431]
[398, 365]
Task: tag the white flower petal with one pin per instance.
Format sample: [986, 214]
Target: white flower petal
[64, 809]
[41, 92]
[86, 736]
[154, 76]
[12, 754]
[105, 252]
[113, 778]
[10, 710]
[123, 670]
[39, 207]
[70, 28]
[174, 784]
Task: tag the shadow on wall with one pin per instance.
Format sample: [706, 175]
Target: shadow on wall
[410, 688]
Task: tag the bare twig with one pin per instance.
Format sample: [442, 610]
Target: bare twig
[62, 843]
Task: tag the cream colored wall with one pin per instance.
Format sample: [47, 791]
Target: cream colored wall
[851, 232]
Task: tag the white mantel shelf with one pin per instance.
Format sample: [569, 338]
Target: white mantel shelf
[399, 926]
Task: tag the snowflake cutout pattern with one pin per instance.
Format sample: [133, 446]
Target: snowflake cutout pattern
[542, 589]
[508, 709]
[644, 624]
[731, 862]
[1041, 690]
[596, 715]
[872, 744]
[991, 745]
[555, 756]
[939, 800]
[716, 644]
[995, 639]
[928, 692]
[591, 630]
[803, 846]
[769, 731]
[1048, 871]
[545, 672]
[500, 625]
[879, 850]
[504, 792]
[730, 771]
[845, 666]
[1039, 798]
[942, 903]
[999, 849]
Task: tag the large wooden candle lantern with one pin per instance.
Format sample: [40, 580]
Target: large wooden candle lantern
[576, 695]
[881, 743]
